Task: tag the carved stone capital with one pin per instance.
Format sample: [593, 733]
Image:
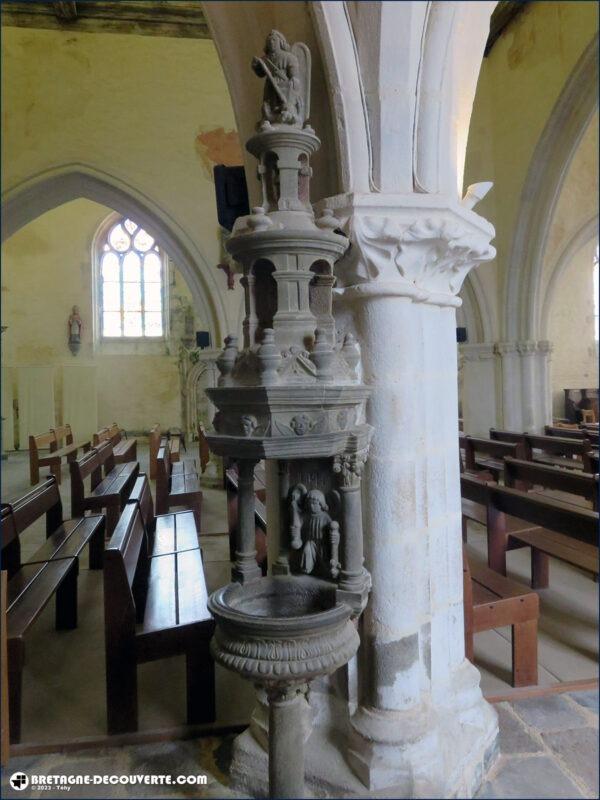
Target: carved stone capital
[477, 352]
[545, 347]
[527, 348]
[349, 468]
[504, 349]
[417, 246]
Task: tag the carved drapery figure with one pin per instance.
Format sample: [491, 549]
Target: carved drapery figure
[313, 532]
[287, 72]
[75, 325]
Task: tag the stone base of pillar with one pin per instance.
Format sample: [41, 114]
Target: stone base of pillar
[436, 750]
[442, 752]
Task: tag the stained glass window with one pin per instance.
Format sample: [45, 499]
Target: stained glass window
[132, 281]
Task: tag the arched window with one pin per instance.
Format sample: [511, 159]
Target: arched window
[596, 298]
[132, 283]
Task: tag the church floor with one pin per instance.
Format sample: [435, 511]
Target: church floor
[548, 748]
[63, 687]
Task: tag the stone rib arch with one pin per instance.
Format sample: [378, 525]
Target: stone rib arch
[586, 233]
[47, 190]
[549, 166]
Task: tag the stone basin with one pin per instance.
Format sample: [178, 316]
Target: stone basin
[282, 629]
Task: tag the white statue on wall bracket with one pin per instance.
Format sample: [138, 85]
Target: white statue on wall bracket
[75, 325]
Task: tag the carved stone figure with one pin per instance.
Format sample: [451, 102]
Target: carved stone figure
[313, 532]
[301, 424]
[75, 326]
[249, 424]
[287, 87]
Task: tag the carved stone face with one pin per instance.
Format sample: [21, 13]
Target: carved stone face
[301, 424]
[315, 502]
[249, 424]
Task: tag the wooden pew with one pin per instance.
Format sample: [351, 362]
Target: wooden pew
[154, 446]
[167, 533]
[54, 458]
[492, 601]
[173, 442]
[109, 492]
[488, 454]
[30, 589]
[65, 538]
[124, 449]
[557, 450]
[176, 489]
[578, 541]
[166, 596]
[203, 449]
[590, 461]
[525, 475]
[570, 432]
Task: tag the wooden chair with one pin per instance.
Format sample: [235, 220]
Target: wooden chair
[493, 601]
[109, 492]
[54, 458]
[176, 489]
[154, 607]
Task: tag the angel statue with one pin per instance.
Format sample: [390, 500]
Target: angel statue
[286, 98]
[313, 532]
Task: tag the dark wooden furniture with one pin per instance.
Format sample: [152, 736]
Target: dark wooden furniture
[566, 431]
[173, 442]
[124, 449]
[176, 489]
[530, 476]
[64, 538]
[559, 529]
[492, 601]
[167, 533]
[154, 607]
[203, 449]
[4, 714]
[558, 450]
[52, 570]
[488, 454]
[579, 401]
[109, 492]
[54, 458]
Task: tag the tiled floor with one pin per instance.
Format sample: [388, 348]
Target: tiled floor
[548, 748]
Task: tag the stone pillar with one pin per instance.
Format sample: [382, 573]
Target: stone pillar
[245, 568]
[479, 384]
[544, 383]
[510, 383]
[422, 728]
[286, 742]
[529, 400]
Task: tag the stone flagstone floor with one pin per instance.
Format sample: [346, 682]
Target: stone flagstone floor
[548, 748]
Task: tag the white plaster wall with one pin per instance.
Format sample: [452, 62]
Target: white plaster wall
[571, 328]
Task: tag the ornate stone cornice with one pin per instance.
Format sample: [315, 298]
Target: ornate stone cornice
[417, 246]
[525, 348]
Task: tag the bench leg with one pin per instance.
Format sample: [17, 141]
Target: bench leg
[497, 540]
[34, 471]
[66, 600]
[57, 472]
[96, 553]
[524, 653]
[200, 670]
[540, 569]
[121, 695]
[16, 659]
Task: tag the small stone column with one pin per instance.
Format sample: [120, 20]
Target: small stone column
[510, 379]
[286, 741]
[349, 469]
[527, 351]
[422, 728]
[245, 568]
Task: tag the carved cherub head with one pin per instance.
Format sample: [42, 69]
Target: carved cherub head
[249, 424]
[301, 424]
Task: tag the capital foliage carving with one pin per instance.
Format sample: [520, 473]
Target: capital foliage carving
[349, 467]
[428, 257]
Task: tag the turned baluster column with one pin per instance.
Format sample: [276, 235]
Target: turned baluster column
[286, 741]
[245, 568]
[349, 469]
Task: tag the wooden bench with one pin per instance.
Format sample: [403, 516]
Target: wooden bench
[203, 449]
[54, 458]
[167, 533]
[124, 449]
[493, 601]
[562, 530]
[560, 451]
[173, 442]
[109, 492]
[566, 432]
[154, 607]
[527, 475]
[590, 461]
[176, 489]
[488, 454]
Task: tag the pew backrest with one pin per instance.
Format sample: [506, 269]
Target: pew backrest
[90, 464]
[41, 441]
[556, 445]
[43, 499]
[506, 436]
[578, 523]
[100, 436]
[125, 557]
[154, 447]
[491, 447]
[142, 495]
[60, 433]
[564, 432]
[163, 472]
[203, 448]
[550, 477]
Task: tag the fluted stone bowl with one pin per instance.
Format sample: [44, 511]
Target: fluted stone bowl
[282, 629]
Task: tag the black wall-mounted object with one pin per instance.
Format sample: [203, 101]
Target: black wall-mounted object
[231, 193]
[202, 339]
[461, 335]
